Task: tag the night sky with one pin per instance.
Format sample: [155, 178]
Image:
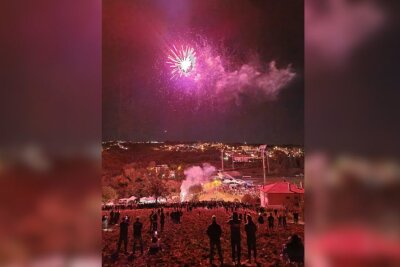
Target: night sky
[141, 102]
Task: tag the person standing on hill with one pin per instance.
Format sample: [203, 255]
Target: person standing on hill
[151, 221]
[214, 232]
[123, 234]
[116, 216]
[154, 220]
[280, 218]
[284, 224]
[295, 217]
[112, 217]
[251, 230]
[137, 235]
[162, 220]
[179, 214]
[155, 245]
[235, 237]
[271, 220]
[260, 218]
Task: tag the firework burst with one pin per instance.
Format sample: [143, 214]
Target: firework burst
[181, 61]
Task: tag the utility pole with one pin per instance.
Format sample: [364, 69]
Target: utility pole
[263, 160]
[222, 159]
[262, 148]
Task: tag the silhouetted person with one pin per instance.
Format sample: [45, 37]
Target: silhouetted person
[271, 220]
[151, 221]
[280, 217]
[296, 217]
[137, 235]
[235, 237]
[112, 217]
[284, 221]
[154, 245]
[162, 220]
[123, 235]
[154, 220]
[214, 232]
[180, 213]
[294, 249]
[260, 218]
[251, 230]
[116, 216]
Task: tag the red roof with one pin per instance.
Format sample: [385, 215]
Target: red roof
[282, 187]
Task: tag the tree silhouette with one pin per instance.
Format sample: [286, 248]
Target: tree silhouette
[108, 193]
[155, 185]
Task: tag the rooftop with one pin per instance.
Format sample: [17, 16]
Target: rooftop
[282, 187]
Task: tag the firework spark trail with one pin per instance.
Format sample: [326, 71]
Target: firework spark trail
[182, 61]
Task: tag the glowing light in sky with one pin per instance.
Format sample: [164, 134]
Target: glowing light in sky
[182, 61]
[185, 65]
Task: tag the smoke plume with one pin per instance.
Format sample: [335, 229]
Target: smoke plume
[196, 175]
[250, 80]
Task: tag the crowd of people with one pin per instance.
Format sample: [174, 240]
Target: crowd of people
[293, 250]
[137, 236]
[189, 206]
[179, 205]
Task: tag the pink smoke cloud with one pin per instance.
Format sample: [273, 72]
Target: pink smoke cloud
[213, 78]
[250, 80]
[196, 175]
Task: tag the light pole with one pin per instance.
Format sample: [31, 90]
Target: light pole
[263, 160]
[262, 148]
[222, 159]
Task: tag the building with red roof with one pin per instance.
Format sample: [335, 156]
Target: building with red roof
[282, 194]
